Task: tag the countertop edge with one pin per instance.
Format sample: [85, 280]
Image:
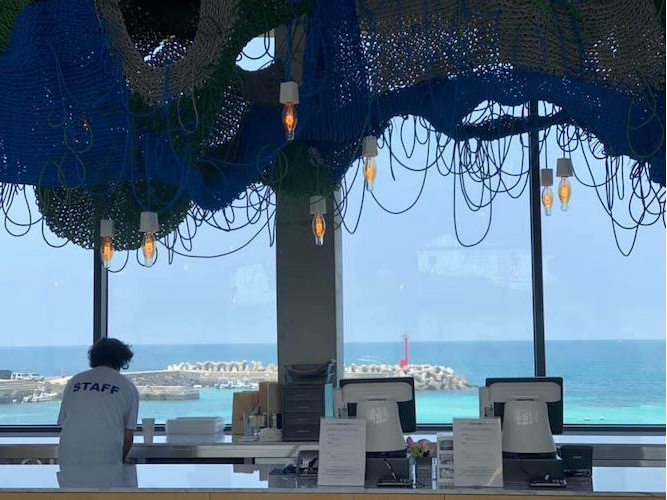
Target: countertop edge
[344, 489]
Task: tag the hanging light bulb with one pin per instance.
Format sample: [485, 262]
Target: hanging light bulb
[564, 193]
[547, 176]
[289, 98]
[369, 152]
[289, 120]
[564, 169]
[148, 248]
[319, 228]
[318, 207]
[106, 245]
[149, 226]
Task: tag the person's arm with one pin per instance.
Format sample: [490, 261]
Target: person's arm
[63, 406]
[61, 414]
[127, 442]
[131, 422]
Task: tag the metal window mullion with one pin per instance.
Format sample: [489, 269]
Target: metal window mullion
[100, 296]
[539, 348]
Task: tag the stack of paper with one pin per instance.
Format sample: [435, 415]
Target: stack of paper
[195, 425]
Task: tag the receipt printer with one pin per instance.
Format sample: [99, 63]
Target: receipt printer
[577, 460]
[527, 469]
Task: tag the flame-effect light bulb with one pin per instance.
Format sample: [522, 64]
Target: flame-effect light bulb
[318, 207]
[289, 98]
[370, 172]
[564, 193]
[289, 121]
[369, 151]
[106, 251]
[564, 170]
[148, 248]
[547, 200]
[149, 225]
[319, 228]
[106, 244]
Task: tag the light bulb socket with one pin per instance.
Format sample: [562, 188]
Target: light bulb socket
[370, 147]
[547, 177]
[289, 93]
[564, 167]
[106, 228]
[318, 205]
[149, 222]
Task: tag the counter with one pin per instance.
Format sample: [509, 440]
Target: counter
[223, 481]
[609, 451]
[181, 449]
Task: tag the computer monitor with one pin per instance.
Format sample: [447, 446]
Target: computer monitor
[388, 404]
[406, 409]
[549, 389]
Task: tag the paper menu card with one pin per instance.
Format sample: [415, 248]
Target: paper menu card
[342, 456]
[445, 469]
[478, 455]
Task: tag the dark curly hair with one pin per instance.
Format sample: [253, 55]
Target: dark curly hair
[110, 352]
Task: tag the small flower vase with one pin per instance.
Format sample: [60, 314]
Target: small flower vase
[423, 474]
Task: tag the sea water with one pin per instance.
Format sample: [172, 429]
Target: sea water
[605, 382]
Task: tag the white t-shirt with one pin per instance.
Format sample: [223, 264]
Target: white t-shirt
[98, 406]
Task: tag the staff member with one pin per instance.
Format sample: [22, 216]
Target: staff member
[100, 407]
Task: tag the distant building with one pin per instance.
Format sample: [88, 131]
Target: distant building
[5, 374]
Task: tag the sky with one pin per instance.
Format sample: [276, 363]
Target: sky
[401, 273]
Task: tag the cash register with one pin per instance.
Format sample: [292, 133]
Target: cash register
[531, 412]
[388, 405]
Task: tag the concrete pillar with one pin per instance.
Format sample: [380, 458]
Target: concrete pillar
[309, 287]
[308, 277]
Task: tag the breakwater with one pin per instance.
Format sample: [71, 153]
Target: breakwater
[182, 381]
[52, 389]
[427, 377]
[209, 373]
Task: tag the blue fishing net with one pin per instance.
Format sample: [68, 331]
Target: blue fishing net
[79, 111]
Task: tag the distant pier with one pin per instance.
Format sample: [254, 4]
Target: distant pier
[427, 377]
[182, 381]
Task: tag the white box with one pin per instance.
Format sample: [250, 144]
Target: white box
[195, 425]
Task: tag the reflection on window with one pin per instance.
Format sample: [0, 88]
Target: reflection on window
[604, 313]
[47, 311]
[467, 312]
[201, 329]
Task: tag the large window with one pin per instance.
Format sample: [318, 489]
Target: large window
[47, 311]
[469, 309]
[604, 313]
[467, 312]
[214, 317]
[201, 328]
[204, 328]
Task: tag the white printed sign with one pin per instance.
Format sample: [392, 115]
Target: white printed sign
[478, 455]
[342, 458]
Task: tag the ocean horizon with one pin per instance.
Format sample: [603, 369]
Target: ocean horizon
[613, 381]
[412, 341]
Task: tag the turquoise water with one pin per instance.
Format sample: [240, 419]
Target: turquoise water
[432, 407]
[605, 381]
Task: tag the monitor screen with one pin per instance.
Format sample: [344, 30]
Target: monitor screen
[524, 384]
[406, 409]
